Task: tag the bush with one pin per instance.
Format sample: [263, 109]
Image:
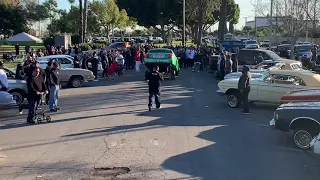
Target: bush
[102, 42]
[85, 47]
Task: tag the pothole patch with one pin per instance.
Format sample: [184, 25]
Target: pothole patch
[109, 172]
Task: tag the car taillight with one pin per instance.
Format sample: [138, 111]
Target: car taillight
[147, 56]
[170, 55]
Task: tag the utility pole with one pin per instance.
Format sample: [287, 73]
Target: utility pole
[270, 25]
[184, 24]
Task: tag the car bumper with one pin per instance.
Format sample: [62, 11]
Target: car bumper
[8, 105]
[272, 123]
[220, 92]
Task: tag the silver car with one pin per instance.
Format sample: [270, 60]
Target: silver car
[16, 87]
[6, 100]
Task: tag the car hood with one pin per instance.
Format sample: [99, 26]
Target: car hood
[308, 105]
[76, 70]
[255, 73]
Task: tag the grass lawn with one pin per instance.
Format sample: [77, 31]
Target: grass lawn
[11, 48]
[12, 65]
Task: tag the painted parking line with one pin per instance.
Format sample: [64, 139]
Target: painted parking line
[291, 149]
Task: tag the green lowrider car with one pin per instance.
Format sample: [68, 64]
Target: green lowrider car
[166, 60]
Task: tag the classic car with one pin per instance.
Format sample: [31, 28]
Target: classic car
[6, 100]
[270, 87]
[305, 95]
[17, 87]
[271, 65]
[301, 118]
[165, 59]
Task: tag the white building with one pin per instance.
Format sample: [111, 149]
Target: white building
[263, 22]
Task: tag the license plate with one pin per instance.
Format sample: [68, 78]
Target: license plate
[158, 56]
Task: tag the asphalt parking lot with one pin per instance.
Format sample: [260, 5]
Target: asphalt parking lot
[104, 131]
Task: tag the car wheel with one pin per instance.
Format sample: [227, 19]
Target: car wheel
[17, 96]
[302, 138]
[233, 100]
[76, 82]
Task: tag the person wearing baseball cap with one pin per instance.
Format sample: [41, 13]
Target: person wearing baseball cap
[244, 87]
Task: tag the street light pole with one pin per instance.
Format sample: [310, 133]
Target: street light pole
[270, 25]
[184, 24]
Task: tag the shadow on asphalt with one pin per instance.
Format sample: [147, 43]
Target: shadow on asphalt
[236, 148]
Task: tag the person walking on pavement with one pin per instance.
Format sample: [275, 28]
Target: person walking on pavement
[54, 81]
[228, 63]
[154, 79]
[94, 64]
[244, 87]
[138, 60]
[36, 87]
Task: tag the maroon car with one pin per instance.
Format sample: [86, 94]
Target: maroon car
[308, 95]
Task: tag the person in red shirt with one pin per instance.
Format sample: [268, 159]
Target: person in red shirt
[138, 60]
[114, 68]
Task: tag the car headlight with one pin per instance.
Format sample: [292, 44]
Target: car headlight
[11, 97]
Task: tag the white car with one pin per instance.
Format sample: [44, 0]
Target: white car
[265, 43]
[252, 44]
[270, 87]
[66, 61]
[6, 100]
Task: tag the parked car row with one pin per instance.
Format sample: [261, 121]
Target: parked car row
[18, 90]
[298, 92]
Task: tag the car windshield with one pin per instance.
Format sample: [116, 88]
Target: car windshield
[160, 51]
[273, 55]
[302, 48]
[251, 42]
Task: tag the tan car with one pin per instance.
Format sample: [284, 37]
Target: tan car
[75, 77]
[270, 86]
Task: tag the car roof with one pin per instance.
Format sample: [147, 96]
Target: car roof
[310, 78]
[260, 50]
[52, 56]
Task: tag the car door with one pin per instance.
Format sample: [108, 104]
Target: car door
[65, 63]
[274, 87]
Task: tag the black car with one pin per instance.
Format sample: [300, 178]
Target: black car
[250, 57]
[301, 118]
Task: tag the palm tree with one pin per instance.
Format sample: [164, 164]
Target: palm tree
[85, 20]
[81, 22]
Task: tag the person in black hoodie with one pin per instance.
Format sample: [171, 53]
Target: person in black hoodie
[54, 82]
[154, 79]
[36, 87]
[244, 88]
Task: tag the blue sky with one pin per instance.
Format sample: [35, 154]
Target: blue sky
[246, 10]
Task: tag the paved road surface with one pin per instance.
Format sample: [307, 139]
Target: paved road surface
[105, 132]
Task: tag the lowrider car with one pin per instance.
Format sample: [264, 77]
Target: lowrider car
[270, 87]
[301, 118]
[6, 100]
[72, 77]
[306, 95]
[271, 65]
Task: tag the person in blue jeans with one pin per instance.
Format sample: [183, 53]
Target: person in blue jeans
[36, 87]
[54, 83]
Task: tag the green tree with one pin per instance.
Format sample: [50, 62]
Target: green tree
[107, 14]
[153, 13]
[12, 20]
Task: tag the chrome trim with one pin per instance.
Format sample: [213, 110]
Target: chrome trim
[303, 118]
[272, 122]
[220, 92]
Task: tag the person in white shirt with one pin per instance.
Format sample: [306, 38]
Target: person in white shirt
[3, 78]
